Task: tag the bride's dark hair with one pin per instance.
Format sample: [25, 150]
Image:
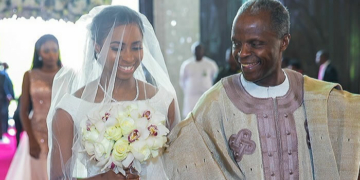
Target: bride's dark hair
[111, 17]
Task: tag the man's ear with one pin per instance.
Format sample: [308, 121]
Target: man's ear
[285, 40]
[97, 48]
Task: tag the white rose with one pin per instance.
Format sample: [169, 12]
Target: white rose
[89, 147]
[113, 133]
[91, 135]
[103, 149]
[121, 150]
[126, 124]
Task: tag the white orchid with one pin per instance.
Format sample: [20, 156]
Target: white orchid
[103, 118]
[155, 143]
[140, 150]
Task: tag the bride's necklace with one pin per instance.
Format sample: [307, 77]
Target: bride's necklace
[114, 100]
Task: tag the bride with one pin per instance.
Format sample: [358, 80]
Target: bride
[110, 117]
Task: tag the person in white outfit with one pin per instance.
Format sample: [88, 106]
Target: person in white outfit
[196, 76]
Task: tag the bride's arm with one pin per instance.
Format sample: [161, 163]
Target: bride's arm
[62, 141]
[171, 115]
[61, 150]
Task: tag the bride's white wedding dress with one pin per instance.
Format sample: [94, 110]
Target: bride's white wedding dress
[71, 104]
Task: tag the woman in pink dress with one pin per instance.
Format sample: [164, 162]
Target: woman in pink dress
[36, 90]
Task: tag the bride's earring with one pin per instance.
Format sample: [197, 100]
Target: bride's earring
[40, 58]
[97, 55]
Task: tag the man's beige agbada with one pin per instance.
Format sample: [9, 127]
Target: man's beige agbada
[312, 132]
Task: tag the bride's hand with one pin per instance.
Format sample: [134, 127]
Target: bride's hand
[34, 148]
[111, 175]
[132, 174]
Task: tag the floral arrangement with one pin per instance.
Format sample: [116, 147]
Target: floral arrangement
[48, 9]
[120, 136]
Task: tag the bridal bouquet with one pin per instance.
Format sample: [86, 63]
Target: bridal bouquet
[119, 136]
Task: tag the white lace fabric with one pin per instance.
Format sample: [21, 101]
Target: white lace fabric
[118, 65]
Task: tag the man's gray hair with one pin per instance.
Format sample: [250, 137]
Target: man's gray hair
[280, 18]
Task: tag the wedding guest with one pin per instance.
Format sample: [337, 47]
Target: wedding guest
[327, 71]
[196, 76]
[6, 96]
[36, 92]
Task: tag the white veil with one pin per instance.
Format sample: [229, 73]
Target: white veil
[111, 52]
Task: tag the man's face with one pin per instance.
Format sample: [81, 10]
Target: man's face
[199, 52]
[257, 48]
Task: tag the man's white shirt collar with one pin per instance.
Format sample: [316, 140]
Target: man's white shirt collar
[265, 92]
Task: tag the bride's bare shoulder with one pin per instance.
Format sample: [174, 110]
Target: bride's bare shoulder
[79, 93]
[150, 89]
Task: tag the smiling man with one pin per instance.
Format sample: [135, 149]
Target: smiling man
[267, 123]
